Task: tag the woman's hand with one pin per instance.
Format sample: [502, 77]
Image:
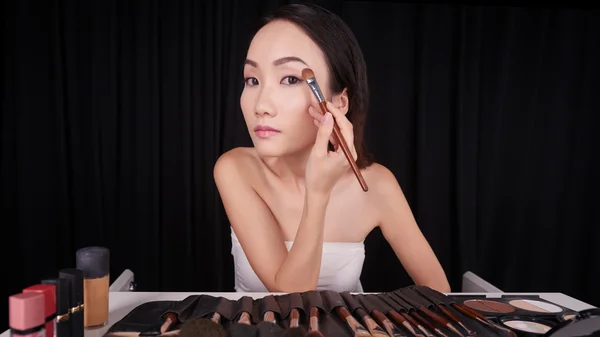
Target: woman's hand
[324, 168]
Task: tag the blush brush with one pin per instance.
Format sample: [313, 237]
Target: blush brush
[313, 328]
[295, 329]
[358, 329]
[311, 80]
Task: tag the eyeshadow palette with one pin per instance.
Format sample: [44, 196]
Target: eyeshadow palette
[529, 315]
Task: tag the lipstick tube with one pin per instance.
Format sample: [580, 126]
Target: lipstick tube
[74, 278]
[63, 307]
[95, 263]
[49, 292]
[26, 315]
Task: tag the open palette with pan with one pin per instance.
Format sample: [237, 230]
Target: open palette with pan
[413, 311]
[527, 315]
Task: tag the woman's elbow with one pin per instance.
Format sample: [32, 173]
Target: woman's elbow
[281, 286]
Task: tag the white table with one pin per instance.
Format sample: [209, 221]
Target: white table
[121, 303]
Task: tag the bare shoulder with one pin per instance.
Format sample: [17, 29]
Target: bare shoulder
[237, 163]
[234, 157]
[382, 182]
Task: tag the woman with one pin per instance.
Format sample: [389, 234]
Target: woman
[298, 215]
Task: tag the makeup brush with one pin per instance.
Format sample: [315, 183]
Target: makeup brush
[313, 328]
[372, 326]
[369, 322]
[181, 309]
[411, 297]
[268, 327]
[417, 324]
[202, 327]
[295, 330]
[412, 310]
[170, 319]
[406, 314]
[358, 329]
[442, 307]
[467, 311]
[309, 77]
[428, 324]
[243, 327]
[379, 317]
[475, 315]
[384, 302]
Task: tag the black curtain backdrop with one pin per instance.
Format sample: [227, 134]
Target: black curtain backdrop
[114, 112]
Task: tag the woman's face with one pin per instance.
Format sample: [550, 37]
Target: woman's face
[276, 98]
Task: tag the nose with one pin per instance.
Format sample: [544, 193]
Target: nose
[264, 103]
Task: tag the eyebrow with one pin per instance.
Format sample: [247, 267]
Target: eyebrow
[278, 62]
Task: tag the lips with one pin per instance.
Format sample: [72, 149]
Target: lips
[265, 131]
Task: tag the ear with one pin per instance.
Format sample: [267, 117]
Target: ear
[341, 101]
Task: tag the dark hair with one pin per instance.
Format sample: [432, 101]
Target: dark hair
[344, 59]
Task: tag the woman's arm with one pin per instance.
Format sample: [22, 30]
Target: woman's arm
[400, 229]
[259, 233]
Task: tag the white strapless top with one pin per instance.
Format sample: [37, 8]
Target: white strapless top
[341, 266]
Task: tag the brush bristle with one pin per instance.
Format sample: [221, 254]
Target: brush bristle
[307, 73]
[200, 327]
[362, 333]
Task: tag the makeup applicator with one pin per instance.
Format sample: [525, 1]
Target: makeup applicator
[358, 329]
[295, 329]
[268, 327]
[309, 77]
[410, 297]
[463, 309]
[313, 330]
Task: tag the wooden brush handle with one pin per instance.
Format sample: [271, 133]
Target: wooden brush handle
[390, 327]
[397, 317]
[339, 138]
[400, 320]
[216, 317]
[467, 311]
[439, 319]
[374, 328]
[294, 318]
[410, 319]
[314, 319]
[170, 319]
[448, 313]
[245, 319]
[270, 317]
[422, 319]
[344, 314]
[379, 316]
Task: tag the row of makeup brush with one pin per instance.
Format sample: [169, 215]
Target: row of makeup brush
[414, 311]
[268, 327]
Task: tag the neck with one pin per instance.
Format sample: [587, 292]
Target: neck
[290, 169]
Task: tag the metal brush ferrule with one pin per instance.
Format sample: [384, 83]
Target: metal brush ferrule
[314, 86]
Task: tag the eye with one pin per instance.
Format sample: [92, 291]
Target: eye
[291, 80]
[250, 81]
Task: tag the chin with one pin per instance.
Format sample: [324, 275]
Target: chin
[277, 150]
[265, 149]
